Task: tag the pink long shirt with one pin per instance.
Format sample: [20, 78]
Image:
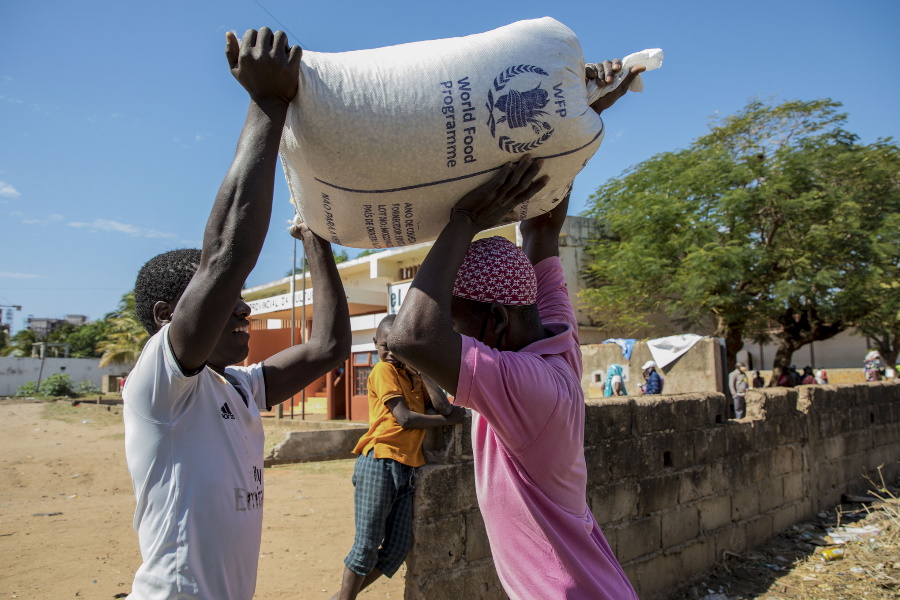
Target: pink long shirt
[530, 474]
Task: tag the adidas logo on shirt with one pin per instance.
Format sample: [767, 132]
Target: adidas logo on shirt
[226, 412]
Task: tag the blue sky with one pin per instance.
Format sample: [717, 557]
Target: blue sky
[119, 119]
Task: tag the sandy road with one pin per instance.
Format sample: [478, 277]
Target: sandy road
[52, 461]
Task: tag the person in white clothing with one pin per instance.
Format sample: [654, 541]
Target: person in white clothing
[193, 434]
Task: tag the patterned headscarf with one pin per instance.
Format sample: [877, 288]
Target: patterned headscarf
[496, 270]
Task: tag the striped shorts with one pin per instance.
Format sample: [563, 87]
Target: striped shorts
[383, 496]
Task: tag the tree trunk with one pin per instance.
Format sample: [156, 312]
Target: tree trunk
[733, 334]
[799, 328]
[783, 356]
[889, 348]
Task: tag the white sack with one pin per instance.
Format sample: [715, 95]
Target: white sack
[380, 144]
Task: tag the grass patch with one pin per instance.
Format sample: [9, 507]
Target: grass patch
[62, 410]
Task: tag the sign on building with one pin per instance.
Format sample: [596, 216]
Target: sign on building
[396, 294]
[277, 303]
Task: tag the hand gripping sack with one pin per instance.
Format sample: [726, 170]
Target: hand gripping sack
[380, 144]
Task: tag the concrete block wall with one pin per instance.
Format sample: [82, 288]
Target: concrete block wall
[672, 482]
[700, 369]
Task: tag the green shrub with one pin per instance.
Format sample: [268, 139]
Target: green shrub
[86, 388]
[27, 389]
[57, 385]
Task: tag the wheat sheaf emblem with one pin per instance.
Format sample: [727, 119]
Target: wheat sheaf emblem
[520, 110]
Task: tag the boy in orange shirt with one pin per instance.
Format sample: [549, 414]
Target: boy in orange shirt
[389, 453]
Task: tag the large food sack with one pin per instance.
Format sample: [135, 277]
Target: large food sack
[380, 144]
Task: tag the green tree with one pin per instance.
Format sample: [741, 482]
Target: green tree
[881, 324]
[125, 337]
[776, 220]
[20, 344]
[339, 257]
[369, 251]
[83, 340]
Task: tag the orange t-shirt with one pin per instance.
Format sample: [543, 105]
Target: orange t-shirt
[385, 435]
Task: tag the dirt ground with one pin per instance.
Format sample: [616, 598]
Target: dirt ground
[864, 565]
[67, 505]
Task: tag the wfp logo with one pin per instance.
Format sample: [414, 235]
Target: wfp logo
[519, 110]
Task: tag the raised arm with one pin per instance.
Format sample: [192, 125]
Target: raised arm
[423, 335]
[540, 235]
[604, 73]
[269, 70]
[328, 345]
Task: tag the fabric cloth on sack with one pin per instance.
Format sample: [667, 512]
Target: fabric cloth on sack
[666, 349]
[195, 454]
[626, 344]
[530, 472]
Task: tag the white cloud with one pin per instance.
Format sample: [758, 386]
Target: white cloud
[106, 225]
[53, 218]
[20, 275]
[8, 190]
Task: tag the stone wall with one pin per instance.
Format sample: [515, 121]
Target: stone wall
[318, 440]
[672, 482]
[700, 369]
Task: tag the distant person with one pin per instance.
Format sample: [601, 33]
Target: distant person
[653, 381]
[873, 366]
[821, 376]
[389, 454]
[808, 377]
[615, 381]
[193, 434]
[795, 376]
[758, 381]
[737, 385]
[785, 379]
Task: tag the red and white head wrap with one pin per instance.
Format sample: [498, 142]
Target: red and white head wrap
[496, 270]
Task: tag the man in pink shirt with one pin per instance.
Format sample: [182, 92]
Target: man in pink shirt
[495, 327]
[510, 352]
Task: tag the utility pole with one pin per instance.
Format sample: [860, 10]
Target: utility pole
[9, 308]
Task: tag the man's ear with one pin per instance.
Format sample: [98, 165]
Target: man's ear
[501, 317]
[162, 313]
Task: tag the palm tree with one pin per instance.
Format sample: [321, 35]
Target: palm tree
[20, 344]
[126, 339]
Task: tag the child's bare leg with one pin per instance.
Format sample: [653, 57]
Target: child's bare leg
[353, 583]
